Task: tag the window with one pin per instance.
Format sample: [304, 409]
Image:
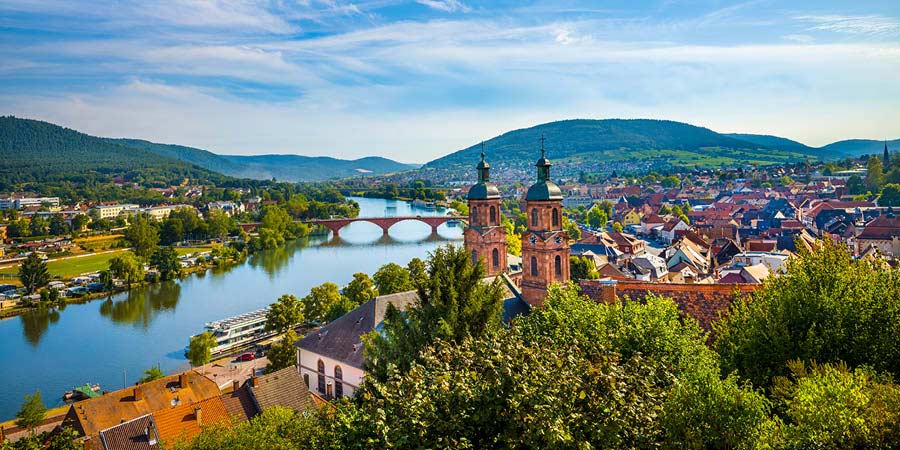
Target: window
[495, 257]
[534, 269]
[493, 216]
[555, 217]
[557, 265]
[474, 257]
[321, 370]
[474, 215]
[338, 385]
[534, 218]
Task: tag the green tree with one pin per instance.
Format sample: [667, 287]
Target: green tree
[142, 236]
[283, 353]
[582, 268]
[58, 226]
[597, 217]
[153, 373]
[32, 412]
[79, 222]
[218, 223]
[33, 273]
[37, 226]
[106, 279]
[284, 314]
[361, 289]
[874, 174]
[320, 300]
[890, 195]
[391, 278]
[127, 268]
[856, 185]
[200, 349]
[171, 231]
[513, 239]
[826, 307]
[165, 259]
[454, 303]
[617, 227]
[418, 271]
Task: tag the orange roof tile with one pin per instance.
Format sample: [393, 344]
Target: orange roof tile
[180, 422]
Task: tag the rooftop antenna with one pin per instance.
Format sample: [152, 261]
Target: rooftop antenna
[482, 150]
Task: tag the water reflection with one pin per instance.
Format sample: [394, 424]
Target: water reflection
[36, 322]
[142, 303]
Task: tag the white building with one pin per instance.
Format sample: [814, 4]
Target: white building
[229, 208]
[113, 211]
[772, 260]
[13, 202]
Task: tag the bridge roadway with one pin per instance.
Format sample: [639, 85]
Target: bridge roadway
[385, 223]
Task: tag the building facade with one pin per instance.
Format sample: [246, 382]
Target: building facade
[545, 246]
[485, 237]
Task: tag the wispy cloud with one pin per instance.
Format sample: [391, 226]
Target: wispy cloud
[871, 24]
[445, 5]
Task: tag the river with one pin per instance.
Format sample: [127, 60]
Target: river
[112, 341]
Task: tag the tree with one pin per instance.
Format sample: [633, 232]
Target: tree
[391, 278]
[361, 289]
[79, 222]
[826, 307]
[320, 300]
[33, 273]
[597, 217]
[283, 353]
[127, 268]
[571, 228]
[32, 412]
[218, 223]
[153, 373]
[106, 279]
[453, 304]
[142, 236]
[890, 195]
[200, 349]
[165, 259]
[172, 231]
[617, 227]
[37, 226]
[417, 271]
[582, 268]
[284, 314]
[58, 226]
[513, 240]
[874, 174]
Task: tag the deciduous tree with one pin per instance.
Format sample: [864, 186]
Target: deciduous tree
[283, 353]
[284, 314]
[33, 273]
[392, 278]
[32, 412]
[200, 348]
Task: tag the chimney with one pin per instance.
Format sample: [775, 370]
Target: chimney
[198, 414]
[2, 437]
[138, 393]
[235, 385]
[254, 381]
[608, 291]
[182, 380]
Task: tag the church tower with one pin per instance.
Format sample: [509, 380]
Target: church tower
[545, 246]
[485, 238]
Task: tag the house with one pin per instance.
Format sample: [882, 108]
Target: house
[648, 267]
[882, 233]
[89, 417]
[772, 260]
[227, 207]
[650, 223]
[331, 358]
[671, 228]
[688, 252]
[631, 218]
[136, 434]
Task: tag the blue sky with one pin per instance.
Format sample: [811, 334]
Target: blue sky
[413, 80]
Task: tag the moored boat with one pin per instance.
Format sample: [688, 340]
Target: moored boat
[238, 331]
[82, 393]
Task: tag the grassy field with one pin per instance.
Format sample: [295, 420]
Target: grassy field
[99, 243]
[70, 267]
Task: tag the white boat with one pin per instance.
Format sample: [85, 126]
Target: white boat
[238, 331]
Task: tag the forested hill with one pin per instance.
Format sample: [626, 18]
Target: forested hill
[281, 167]
[856, 147]
[35, 151]
[610, 139]
[769, 141]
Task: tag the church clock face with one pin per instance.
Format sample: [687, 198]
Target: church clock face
[533, 239]
[558, 239]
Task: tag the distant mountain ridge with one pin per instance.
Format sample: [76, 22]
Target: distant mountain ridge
[581, 141]
[281, 167]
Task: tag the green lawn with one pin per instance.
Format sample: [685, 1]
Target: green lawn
[70, 267]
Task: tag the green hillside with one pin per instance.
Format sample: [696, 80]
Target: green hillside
[768, 141]
[281, 167]
[857, 147]
[639, 143]
[35, 151]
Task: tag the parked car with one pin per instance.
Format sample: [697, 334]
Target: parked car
[247, 357]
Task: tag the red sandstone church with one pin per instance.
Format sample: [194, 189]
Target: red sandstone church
[545, 245]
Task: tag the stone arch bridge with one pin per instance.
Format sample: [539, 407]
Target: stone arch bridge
[385, 223]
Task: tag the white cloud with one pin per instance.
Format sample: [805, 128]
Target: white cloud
[445, 5]
[871, 24]
[799, 38]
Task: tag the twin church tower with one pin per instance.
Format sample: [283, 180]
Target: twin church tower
[545, 246]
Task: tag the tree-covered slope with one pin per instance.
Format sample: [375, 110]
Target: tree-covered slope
[857, 147]
[35, 151]
[610, 139]
[770, 141]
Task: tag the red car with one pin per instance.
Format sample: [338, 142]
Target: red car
[247, 357]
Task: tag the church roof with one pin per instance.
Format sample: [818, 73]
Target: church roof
[483, 191]
[546, 190]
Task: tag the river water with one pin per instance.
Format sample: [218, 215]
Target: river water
[112, 341]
